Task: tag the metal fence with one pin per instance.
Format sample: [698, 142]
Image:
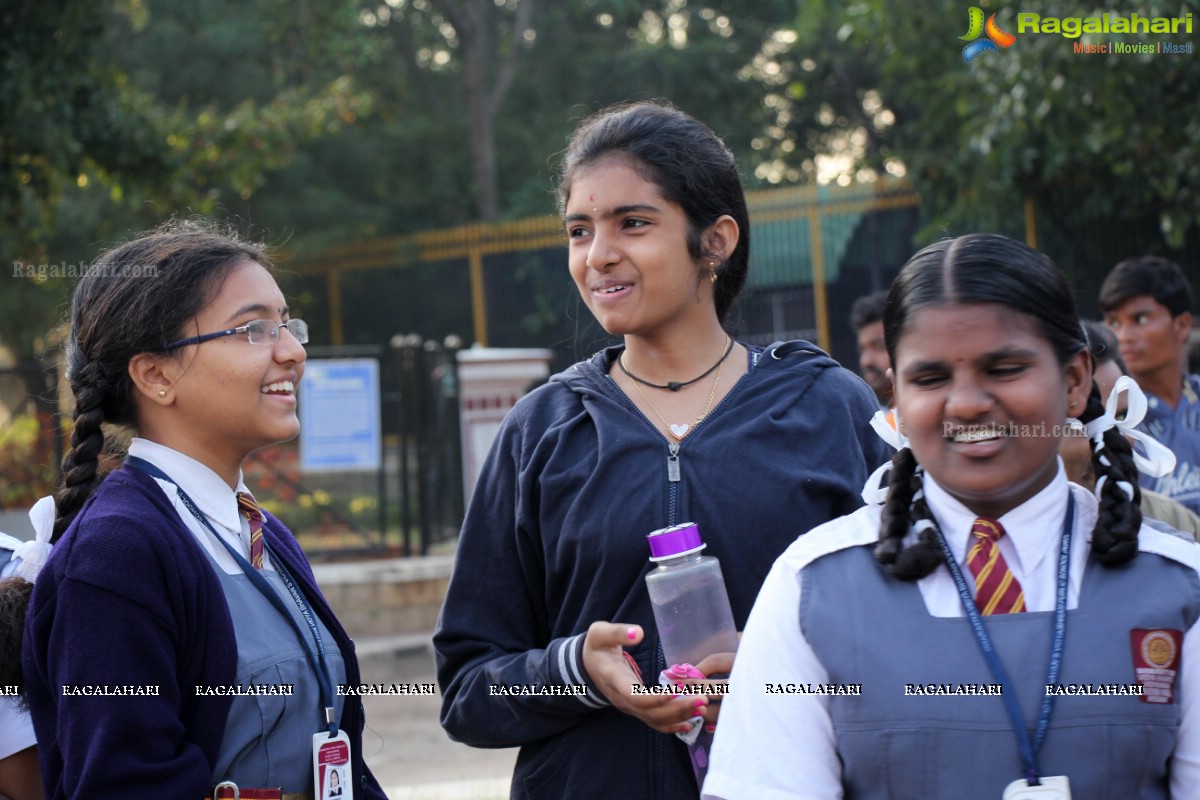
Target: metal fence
[412, 302]
[414, 501]
[409, 506]
[813, 250]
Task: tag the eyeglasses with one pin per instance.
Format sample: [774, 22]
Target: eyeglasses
[259, 331]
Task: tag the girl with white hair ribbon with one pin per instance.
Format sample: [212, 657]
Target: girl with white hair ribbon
[984, 627]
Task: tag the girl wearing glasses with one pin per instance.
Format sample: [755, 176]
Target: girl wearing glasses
[176, 638]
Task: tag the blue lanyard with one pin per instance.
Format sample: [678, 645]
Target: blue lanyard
[1028, 750]
[316, 659]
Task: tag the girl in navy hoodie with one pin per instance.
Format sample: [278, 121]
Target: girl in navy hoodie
[682, 422]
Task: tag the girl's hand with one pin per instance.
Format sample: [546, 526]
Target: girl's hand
[604, 661]
[716, 664]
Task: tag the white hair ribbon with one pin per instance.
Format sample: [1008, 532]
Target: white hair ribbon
[33, 554]
[874, 493]
[1159, 460]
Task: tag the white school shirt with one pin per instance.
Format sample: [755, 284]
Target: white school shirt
[212, 497]
[777, 747]
[16, 728]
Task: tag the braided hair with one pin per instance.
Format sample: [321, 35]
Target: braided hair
[1114, 539]
[688, 163]
[992, 269]
[135, 298]
[14, 599]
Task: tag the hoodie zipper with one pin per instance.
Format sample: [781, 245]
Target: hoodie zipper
[674, 464]
[674, 477]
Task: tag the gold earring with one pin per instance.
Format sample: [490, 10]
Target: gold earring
[162, 392]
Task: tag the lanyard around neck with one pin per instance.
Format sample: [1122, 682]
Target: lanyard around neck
[1029, 750]
[316, 658]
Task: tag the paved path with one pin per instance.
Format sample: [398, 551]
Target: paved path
[407, 749]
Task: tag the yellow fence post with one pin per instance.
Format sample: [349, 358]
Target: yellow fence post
[1030, 222]
[333, 286]
[820, 302]
[478, 304]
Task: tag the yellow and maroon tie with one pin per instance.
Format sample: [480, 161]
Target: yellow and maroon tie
[249, 509]
[996, 588]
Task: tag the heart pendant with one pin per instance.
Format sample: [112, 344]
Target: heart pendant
[679, 431]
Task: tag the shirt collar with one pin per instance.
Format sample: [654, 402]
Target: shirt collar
[1025, 526]
[1189, 389]
[208, 491]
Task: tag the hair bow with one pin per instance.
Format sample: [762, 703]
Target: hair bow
[33, 554]
[1158, 460]
[874, 492]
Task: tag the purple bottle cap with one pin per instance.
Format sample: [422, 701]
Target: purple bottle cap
[677, 540]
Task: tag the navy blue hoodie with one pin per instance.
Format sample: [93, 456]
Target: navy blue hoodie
[555, 539]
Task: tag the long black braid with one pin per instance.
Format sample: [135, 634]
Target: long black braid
[905, 507]
[1115, 537]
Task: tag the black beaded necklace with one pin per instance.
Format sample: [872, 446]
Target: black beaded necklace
[675, 386]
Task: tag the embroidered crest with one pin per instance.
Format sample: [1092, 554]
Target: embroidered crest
[1156, 655]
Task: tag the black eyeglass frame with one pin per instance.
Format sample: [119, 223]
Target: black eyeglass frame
[301, 336]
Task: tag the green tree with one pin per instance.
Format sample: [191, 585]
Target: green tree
[89, 130]
[1103, 149]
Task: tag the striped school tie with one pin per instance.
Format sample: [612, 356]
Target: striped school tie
[996, 588]
[250, 510]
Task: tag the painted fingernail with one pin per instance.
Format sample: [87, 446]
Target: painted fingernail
[631, 634]
[699, 704]
[684, 728]
[711, 727]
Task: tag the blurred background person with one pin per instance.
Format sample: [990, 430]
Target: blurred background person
[1076, 447]
[866, 318]
[1146, 302]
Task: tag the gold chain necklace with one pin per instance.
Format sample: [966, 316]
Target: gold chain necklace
[678, 431]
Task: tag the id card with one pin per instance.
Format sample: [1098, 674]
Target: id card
[1054, 787]
[331, 767]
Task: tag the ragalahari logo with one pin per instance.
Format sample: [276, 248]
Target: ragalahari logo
[996, 38]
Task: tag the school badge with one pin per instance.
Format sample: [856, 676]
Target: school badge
[1156, 655]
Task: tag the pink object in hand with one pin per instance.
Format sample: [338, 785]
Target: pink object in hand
[679, 673]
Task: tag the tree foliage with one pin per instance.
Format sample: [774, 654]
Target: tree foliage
[102, 122]
[326, 123]
[1104, 147]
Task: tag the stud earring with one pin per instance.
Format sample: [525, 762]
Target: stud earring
[162, 392]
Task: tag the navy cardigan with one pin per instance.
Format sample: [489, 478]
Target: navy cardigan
[127, 599]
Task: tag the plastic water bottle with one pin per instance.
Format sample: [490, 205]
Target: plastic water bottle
[688, 594]
[691, 609]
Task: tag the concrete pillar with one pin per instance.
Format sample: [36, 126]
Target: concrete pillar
[490, 381]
